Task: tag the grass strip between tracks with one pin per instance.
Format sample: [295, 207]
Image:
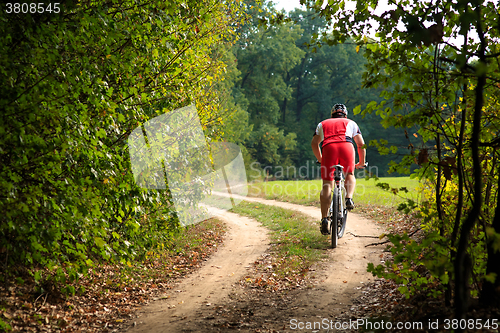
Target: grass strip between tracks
[296, 243]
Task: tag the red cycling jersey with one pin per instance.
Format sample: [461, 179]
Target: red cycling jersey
[337, 135]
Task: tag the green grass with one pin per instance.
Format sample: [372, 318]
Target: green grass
[367, 193]
[295, 238]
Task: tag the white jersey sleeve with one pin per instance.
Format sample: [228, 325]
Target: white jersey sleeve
[352, 129]
[319, 131]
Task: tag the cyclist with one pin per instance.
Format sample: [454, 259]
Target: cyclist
[338, 135]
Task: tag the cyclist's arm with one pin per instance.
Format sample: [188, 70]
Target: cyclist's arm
[315, 146]
[361, 151]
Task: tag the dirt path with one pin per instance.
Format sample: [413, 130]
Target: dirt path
[195, 303]
[245, 241]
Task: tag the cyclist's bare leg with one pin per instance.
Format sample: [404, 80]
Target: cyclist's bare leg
[350, 184]
[325, 197]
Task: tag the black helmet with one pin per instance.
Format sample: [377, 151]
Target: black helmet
[339, 109]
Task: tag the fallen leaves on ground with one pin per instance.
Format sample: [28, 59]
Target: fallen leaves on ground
[381, 299]
[276, 273]
[109, 295]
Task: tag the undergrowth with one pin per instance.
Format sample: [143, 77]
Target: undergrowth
[109, 293]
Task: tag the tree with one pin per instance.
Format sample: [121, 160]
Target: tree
[443, 87]
[75, 85]
[289, 79]
[326, 74]
[265, 55]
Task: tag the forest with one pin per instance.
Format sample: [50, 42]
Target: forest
[286, 81]
[76, 83]
[434, 87]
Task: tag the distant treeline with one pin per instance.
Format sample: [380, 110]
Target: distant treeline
[284, 81]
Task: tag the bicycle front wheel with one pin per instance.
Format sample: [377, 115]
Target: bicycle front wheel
[335, 214]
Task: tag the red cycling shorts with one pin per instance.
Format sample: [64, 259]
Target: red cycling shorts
[337, 153]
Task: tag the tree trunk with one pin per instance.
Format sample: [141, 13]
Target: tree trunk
[460, 199]
[283, 111]
[462, 269]
[490, 293]
[285, 100]
[298, 110]
[439, 206]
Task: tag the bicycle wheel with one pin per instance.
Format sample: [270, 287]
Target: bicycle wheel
[341, 225]
[342, 222]
[334, 218]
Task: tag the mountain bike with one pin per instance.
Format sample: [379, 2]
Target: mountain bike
[337, 213]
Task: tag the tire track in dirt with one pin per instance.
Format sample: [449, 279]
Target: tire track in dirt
[245, 241]
[340, 278]
[344, 274]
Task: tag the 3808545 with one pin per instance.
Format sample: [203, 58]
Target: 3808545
[454, 324]
[32, 8]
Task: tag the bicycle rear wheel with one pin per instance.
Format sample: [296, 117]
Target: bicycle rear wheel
[342, 222]
[341, 226]
[334, 217]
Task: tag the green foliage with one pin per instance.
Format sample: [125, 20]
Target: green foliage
[289, 80]
[443, 94]
[268, 141]
[407, 206]
[265, 55]
[416, 266]
[75, 86]
[5, 326]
